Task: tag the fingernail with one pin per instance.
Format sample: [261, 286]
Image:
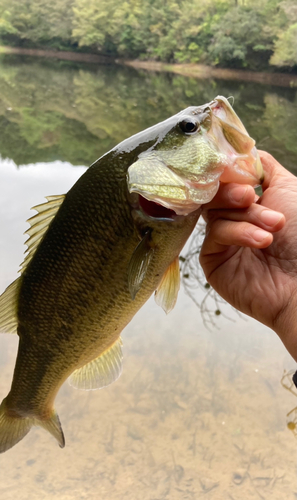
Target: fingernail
[270, 218]
[260, 235]
[238, 193]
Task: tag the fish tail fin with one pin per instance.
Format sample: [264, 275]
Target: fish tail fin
[53, 426]
[15, 428]
[12, 429]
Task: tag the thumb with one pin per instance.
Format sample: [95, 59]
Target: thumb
[275, 173]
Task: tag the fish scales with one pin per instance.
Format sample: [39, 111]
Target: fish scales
[60, 287]
[115, 239]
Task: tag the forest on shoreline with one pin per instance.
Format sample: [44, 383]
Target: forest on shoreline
[248, 34]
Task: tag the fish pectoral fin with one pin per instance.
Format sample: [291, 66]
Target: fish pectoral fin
[8, 308]
[139, 264]
[101, 371]
[39, 225]
[167, 291]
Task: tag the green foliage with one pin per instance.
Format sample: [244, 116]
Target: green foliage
[236, 33]
[240, 39]
[285, 53]
[37, 21]
[285, 46]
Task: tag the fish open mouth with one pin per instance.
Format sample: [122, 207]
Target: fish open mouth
[153, 209]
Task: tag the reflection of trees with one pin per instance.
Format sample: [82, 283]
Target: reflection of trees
[76, 113]
[281, 117]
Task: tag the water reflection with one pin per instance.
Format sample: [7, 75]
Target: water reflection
[75, 113]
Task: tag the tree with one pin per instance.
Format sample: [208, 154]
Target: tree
[240, 39]
[285, 47]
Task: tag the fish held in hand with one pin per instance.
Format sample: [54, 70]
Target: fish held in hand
[181, 175]
[96, 254]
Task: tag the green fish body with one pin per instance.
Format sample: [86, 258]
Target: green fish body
[98, 253]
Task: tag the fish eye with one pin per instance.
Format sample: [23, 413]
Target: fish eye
[189, 126]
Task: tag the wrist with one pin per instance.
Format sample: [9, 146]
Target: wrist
[285, 325]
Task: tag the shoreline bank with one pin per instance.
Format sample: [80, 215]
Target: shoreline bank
[199, 71]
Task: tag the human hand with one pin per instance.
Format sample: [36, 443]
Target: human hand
[249, 255]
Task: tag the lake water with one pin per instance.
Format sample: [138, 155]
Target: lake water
[198, 412]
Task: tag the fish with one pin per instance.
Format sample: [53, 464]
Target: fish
[96, 254]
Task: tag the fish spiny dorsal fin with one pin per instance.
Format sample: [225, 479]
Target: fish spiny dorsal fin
[39, 225]
[167, 291]
[101, 371]
[8, 308]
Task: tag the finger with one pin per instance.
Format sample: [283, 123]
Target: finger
[257, 215]
[226, 233]
[232, 196]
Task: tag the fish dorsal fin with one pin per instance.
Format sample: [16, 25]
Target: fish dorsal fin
[101, 371]
[8, 308]
[139, 264]
[167, 292]
[39, 225]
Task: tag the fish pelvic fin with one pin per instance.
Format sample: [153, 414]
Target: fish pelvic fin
[14, 428]
[167, 291]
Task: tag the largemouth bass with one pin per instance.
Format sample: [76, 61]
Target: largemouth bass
[96, 254]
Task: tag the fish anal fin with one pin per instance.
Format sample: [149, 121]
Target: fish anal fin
[139, 264]
[8, 308]
[101, 371]
[39, 224]
[167, 291]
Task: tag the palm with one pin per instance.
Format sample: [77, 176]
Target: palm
[260, 282]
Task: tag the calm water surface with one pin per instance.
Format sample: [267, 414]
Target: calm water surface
[197, 413]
